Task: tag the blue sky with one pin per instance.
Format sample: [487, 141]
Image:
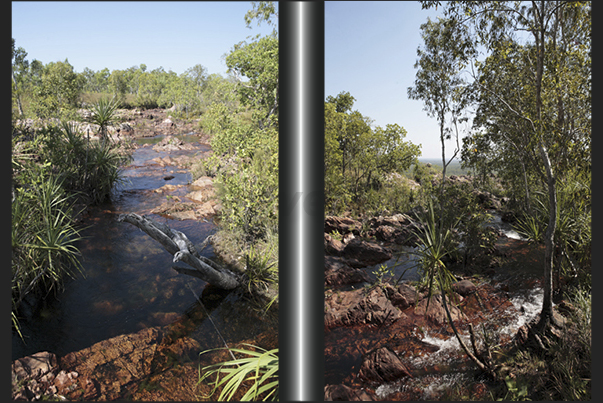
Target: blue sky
[119, 35]
[370, 51]
[370, 47]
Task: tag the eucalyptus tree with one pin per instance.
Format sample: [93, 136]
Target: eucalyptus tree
[59, 89]
[358, 156]
[255, 66]
[439, 81]
[553, 108]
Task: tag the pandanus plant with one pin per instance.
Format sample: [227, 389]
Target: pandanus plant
[256, 370]
[103, 114]
[435, 243]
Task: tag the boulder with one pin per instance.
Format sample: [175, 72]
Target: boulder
[33, 366]
[202, 183]
[402, 297]
[167, 123]
[337, 273]
[464, 287]
[201, 196]
[385, 233]
[487, 200]
[343, 225]
[333, 246]
[382, 365]
[436, 313]
[367, 253]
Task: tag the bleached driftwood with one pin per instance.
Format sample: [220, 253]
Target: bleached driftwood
[183, 250]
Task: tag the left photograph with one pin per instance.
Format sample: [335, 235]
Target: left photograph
[144, 200]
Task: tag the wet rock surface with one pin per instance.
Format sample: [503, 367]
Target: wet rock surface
[107, 370]
[382, 365]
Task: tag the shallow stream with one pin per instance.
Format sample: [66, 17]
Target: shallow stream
[127, 282]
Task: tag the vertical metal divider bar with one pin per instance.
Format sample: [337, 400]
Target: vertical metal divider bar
[301, 201]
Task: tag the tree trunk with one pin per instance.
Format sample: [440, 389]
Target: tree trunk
[17, 96]
[182, 248]
[481, 365]
[546, 316]
[549, 241]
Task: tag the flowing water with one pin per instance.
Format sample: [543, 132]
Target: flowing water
[127, 282]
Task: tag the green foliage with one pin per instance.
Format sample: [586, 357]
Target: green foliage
[87, 168]
[258, 371]
[258, 62]
[261, 263]
[382, 273]
[58, 91]
[103, 114]
[359, 159]
[570, 366]
[516, 391]
[248, 190]
[435, 242]
[43, 235]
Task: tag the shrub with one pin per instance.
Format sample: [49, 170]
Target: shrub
[257, 370]
[89, 168]
[43, 236]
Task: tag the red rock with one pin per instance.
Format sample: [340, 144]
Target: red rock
[333, 246]
[464, 287]
[348, 308]
[337, 272]
[368, 253]
[345, 393]
[383, 365]
[342, 225]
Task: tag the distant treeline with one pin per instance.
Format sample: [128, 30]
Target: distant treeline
[454, 168]
[55, 89]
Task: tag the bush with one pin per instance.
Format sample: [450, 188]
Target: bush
[89, 168]
[248, 191]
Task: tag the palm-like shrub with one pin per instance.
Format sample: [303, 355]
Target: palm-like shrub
[435, 243]
[87, 168]
[103, 114]
[43, 238]
[258, 371]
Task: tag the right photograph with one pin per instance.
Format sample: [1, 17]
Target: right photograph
[457, 200]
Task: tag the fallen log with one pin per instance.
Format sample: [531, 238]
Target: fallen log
[183, 250]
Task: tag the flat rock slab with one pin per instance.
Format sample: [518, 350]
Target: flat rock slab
[367, 253]
[358, 307]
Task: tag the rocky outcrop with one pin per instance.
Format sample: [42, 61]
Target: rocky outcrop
[338, 273]
[358, 307]
[464, 287]
[402, 297]
[170, 143]
[433, 310]
[333, 247]
[342, 225]
[108, 370]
